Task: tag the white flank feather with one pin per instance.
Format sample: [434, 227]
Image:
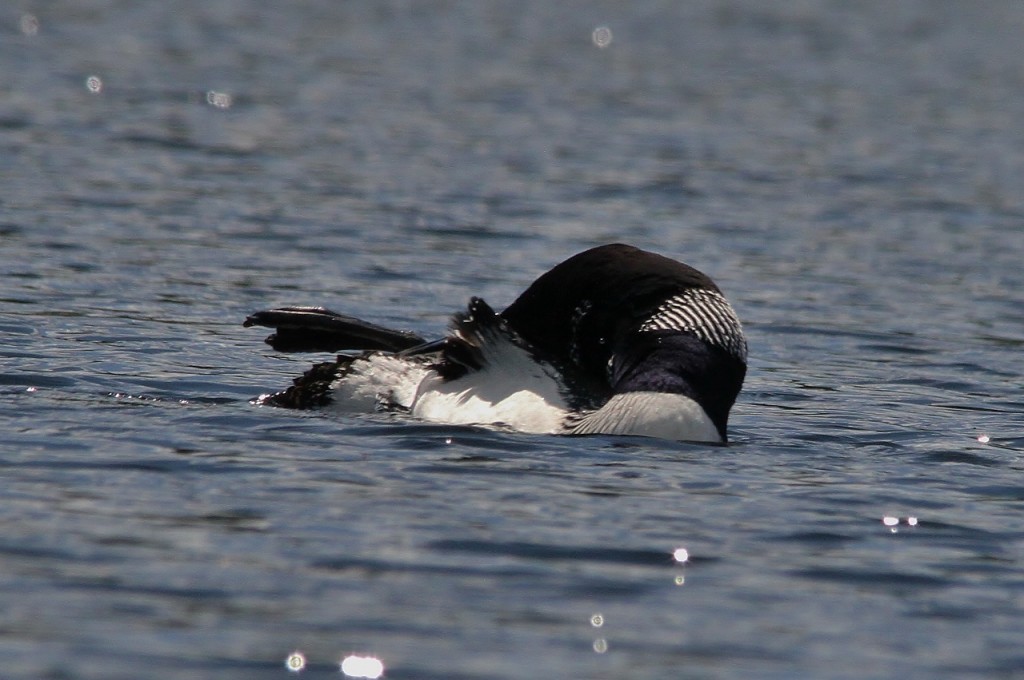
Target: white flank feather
[512, 388]
[652, 414]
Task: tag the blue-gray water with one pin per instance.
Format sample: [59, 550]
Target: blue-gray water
[852, 174]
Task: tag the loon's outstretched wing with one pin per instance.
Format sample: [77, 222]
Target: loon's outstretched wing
[316, 329]
[388, 376]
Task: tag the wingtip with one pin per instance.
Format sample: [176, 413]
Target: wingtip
[478, 310]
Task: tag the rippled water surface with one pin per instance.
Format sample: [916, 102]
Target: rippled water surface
[850, 174]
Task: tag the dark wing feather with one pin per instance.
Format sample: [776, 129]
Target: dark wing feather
[315, 329]
[311, 389]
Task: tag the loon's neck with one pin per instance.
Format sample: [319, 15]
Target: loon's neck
[679, 364]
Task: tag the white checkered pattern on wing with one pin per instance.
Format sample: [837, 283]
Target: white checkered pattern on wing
[706, 314]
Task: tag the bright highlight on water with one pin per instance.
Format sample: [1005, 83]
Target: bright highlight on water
[362, 667]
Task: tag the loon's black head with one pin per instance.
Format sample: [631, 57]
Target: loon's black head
[617, 319]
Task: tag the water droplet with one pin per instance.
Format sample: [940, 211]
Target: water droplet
[94, 84]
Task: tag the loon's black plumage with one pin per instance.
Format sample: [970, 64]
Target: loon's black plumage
[610, 330]
[315, 329]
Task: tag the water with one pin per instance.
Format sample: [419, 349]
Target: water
[850, 174]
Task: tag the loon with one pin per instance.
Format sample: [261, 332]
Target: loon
[614, 340]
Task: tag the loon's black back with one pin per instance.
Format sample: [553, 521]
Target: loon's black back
[595, 315]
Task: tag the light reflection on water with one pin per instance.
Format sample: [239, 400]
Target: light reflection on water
[29, 24]
[602, 36]
[295, 662]
[355, 666]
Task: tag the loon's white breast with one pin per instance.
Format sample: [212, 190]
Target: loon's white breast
[614, 340]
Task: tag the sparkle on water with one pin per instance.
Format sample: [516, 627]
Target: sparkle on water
[220, 100]
[602, 36]
[29, 24]
[296, 661]
[355, 666]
